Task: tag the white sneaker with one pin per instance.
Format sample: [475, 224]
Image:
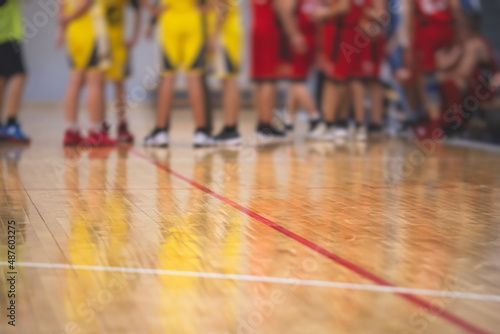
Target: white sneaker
[157, 138]
[361, 134]
[329, 134]
[341, 134]
[201, 139]
[317, 131]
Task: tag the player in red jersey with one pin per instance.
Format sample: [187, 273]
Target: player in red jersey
[373, 24]
[265, 40]
[300, 65]
[468, 74]
[430, 26]
[340, 61]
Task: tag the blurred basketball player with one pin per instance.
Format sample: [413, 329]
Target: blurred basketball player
[374, 24]
[340, 60]
[430, 25]
[466, 69]
[82, 25]
[224, 30]
[265, 42]
[12, 71]
[120, 59]
[301, 62]
[182, 44]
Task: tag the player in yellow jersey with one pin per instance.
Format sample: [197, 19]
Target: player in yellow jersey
[120, 61]
[224, 30]
[182, 45]
[82, 26]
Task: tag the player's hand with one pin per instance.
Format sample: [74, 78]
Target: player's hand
[495, 81]
[320, 14]
[298, 43]
[402, 75]
[156, 11]
[130, 43]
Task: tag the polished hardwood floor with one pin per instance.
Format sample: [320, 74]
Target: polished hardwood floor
[390, 237]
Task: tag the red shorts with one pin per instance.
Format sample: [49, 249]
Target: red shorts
[371, 59]
[299, 65]
[265, 54]
[428, 40]
[340, 58]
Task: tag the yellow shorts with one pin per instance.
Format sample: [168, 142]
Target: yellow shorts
[182, 42]
[227, 58]
[86, 50]
[119, 68]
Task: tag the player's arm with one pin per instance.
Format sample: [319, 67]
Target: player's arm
[458, 16]
[137, 24]
[378, 12]
[407, 31]
[334, 9]
[81, 9]
[285, 10]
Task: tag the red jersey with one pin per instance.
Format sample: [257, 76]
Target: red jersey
[304, 10]
[352, 18]
[264, 17]
[431, 12]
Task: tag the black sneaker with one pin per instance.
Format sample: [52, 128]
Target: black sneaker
[228, 137]
[268, 134]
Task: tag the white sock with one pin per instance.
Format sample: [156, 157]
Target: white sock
[96, 127]
[73, 126]
[288, 118]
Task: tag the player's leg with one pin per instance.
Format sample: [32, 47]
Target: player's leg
[72, 135]
[306, 101]
[331, 102]
[193, 53]
[159, 136]
[358, 94]
[97, 134]
[121, 109]
[376, 93]
[291, 107]
[13, 63]
[231, 105]
[3, 86]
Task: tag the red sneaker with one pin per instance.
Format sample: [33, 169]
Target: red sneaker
[72, 138]
[99, 139]
[124, 135]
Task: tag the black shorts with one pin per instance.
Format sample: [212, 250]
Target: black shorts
[11, 59]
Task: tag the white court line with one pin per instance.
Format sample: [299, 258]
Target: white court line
[291, 281]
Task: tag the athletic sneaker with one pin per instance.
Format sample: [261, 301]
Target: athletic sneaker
[270, 135]
[228, 137]
[99, 139]
[124, 136]
[360, 133]
[157, 138]
[13, 132]
[375, 131]
[317, 129]
[341, 133]
[202, 139]
[72, 138]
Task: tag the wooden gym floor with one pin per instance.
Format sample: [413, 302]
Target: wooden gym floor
[390, 237]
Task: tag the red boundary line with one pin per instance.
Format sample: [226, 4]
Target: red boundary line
[345, 263]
